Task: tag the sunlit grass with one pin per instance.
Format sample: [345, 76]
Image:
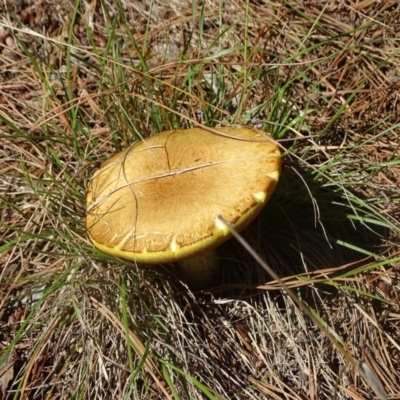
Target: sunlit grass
[329, 231]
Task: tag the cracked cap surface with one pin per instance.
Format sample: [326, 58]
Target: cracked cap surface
[158, 200]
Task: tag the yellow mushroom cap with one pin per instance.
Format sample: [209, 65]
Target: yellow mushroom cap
[158, 200]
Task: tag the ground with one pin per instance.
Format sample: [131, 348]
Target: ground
[80, 81]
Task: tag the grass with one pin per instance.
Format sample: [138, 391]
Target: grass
[89, 81]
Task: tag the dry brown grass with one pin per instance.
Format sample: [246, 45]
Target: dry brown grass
[94, 328]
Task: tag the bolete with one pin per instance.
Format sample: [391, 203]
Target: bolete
[157, 202]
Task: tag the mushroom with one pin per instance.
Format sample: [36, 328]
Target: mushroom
[157, 202]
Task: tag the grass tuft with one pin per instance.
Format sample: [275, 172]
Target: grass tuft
[81, 81]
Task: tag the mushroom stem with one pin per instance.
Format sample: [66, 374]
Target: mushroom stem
[200, 271]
